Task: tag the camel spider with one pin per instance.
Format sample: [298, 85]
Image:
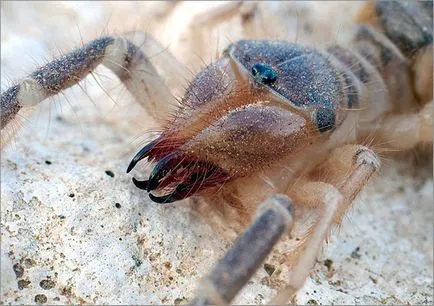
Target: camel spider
[329, 173]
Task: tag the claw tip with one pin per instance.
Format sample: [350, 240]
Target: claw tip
[131, 166]
[140, 184]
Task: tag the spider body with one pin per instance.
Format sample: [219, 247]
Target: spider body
[238, 124]
[267, 102]
[262, 105]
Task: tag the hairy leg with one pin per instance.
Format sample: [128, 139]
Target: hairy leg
[348, 169]
[274, 218]
[257, 22]
[204, 22]
[405, 131]
[423, 74]
[129, 61]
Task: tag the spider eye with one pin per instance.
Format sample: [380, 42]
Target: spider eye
[325, 119]
[264, 73]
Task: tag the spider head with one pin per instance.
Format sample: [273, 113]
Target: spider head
[237, 118]
[225, 129]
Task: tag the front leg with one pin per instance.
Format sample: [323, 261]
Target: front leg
[349, 169]
[128, 60]
[343, 175]
[274, 218]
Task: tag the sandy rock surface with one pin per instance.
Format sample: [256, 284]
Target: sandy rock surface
[74, 229]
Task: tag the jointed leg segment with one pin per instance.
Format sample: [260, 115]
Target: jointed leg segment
[349, 169]
[274, 218]
[330, 200]
[127, 60]
[405, 131]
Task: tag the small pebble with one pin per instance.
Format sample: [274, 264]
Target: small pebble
[269, 269]
[109, 173]
[47, 284]
[18, 269]
[40, 299]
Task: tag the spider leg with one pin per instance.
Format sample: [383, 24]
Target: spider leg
[405, 131]
[350, 168]
[129, 61]
[204, 22]
[274, 218]
[256, 20]
[423, 74]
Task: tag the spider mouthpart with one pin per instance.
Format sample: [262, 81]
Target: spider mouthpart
[163, 167]
[194, 182]
[177, 176]
[144, 152]
[163, 199]
[174, 196]
[141, 184]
